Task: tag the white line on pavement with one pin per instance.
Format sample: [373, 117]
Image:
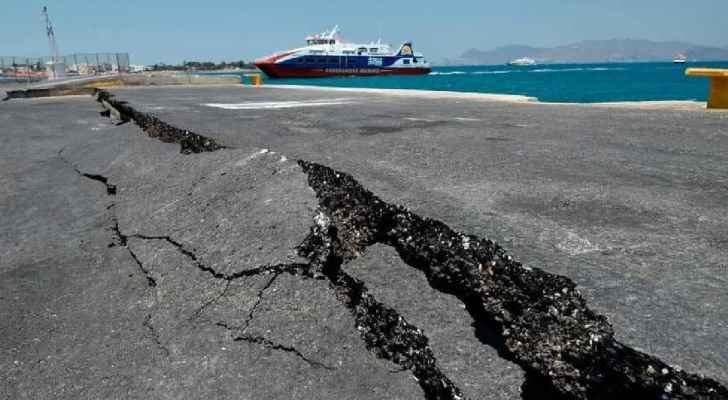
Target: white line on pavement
[274, 105]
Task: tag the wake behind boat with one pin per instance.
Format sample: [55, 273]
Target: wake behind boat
[326, 54]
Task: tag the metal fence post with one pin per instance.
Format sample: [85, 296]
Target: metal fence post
[27, 70]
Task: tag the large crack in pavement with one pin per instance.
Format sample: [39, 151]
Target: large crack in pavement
[541, 321]
[189, 142]
[386, 333]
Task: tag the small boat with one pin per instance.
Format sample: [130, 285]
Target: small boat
[326, 54]
[680, 59]
[523, 62]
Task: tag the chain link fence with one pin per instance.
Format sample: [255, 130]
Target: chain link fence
[33, 69]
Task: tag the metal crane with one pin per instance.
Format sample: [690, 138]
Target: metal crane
[55, 55]
[51, 36]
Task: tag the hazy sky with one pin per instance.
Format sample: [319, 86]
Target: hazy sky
[172, 31]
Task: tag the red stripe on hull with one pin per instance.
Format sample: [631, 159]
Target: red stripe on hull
[276, 71]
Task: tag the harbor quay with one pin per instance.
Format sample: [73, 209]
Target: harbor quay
[228, 241]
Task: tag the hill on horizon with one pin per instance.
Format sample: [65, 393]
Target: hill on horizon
[594, 51]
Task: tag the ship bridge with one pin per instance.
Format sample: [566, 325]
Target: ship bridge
[326, 37]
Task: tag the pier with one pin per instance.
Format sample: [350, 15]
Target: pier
[207, 241]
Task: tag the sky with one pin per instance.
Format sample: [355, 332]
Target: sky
[169, 31]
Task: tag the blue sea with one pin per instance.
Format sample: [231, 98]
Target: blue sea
[576, 83]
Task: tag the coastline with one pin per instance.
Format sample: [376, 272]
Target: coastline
[678, 105]
[675, 105]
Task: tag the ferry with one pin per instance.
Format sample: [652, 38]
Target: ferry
[680, 59]
[326, 54]
[523, 62]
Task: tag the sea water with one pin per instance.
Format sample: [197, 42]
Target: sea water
[576, 83]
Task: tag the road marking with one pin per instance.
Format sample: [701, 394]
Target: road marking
[460, 119]
[275, 105]
[420, 119]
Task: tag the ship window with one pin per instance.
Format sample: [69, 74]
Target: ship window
[373, 50]
[300, 60]
[414, 60]
[332, 42]
[406, 62]
[309, 60]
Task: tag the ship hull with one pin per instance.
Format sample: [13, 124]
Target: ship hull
[283, 71]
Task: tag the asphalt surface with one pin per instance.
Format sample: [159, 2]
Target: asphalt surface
[630, 204]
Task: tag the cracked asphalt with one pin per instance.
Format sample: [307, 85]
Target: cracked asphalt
[200, 291]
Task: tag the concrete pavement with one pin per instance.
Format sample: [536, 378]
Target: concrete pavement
[630, 204]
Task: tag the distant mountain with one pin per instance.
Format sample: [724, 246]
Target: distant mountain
[594, 51]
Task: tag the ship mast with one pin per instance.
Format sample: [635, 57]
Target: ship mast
[51, 37]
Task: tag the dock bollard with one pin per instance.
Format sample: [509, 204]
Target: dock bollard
[718, 97]
[256, 80]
